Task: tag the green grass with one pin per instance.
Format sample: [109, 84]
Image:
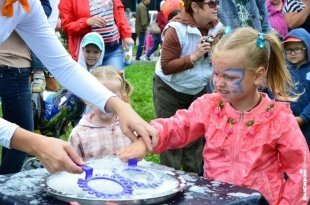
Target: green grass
[140, 75]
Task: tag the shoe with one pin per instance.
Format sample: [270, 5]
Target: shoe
[144, 58]
[38, 83]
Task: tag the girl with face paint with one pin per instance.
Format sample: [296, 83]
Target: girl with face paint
[251, 140]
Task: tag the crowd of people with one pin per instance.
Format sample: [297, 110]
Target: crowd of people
[231, 88]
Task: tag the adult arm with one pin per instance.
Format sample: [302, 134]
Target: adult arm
[295, 19]
[56, 155]
[41, 38]
[171, 62]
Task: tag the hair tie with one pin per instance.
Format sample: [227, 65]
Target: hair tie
[227, 30]
[260, 42]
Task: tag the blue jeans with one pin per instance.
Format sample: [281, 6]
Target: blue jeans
[36, 64]
[141, 45]
[17, 108]
[115, 58]
[157, 41]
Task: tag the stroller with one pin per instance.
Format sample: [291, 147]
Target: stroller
[53, 111]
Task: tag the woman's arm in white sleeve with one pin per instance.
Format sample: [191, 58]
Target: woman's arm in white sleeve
[7, 130]
[41, 38]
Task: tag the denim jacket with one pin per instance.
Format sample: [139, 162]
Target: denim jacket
[228, 14]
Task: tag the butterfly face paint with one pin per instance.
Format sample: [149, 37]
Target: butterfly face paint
[228, 80]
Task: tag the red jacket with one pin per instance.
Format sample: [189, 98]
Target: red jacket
[74, 13]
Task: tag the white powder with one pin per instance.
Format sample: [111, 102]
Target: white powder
[20, 185]
[200, 189]
[34, 202]
[189, 178]
[240, 194]
[216, 183]
[66, 183]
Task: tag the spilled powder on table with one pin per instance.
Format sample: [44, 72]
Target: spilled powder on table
[20, 185]
[216, 183]
[240, 194]
[195, 190]
[189, 178]
[200, 189]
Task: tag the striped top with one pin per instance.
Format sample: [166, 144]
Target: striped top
[109, 32]
[293, 6]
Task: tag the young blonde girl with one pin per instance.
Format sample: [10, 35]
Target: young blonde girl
[99, 134]
[251, 140]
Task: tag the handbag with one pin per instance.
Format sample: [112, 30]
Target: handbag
[154, 28]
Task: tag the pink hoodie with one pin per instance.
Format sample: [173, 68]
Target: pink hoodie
[251, 149]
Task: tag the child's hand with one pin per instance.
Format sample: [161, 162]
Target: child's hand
[137, 149]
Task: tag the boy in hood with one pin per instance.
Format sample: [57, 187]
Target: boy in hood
[297, 51]
[91, 51]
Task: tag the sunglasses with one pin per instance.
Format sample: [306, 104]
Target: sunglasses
[211, 4]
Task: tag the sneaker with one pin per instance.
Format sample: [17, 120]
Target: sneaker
[38, 82]
[144, 58]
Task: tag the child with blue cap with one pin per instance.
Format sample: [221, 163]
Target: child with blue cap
[91, 51]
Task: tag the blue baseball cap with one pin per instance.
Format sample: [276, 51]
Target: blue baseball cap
[93, 38]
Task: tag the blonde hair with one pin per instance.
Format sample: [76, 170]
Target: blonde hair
[103, 73]
[270, 56]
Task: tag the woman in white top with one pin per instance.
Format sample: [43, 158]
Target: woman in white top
[27, 18]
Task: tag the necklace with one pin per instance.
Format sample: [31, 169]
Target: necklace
[259, 100]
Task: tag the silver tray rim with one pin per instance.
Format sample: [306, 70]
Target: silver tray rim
[93, 201]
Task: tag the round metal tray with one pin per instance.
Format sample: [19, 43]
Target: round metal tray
[63, 186]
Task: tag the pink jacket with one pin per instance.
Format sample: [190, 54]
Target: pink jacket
[94, 141]
[251, 149]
